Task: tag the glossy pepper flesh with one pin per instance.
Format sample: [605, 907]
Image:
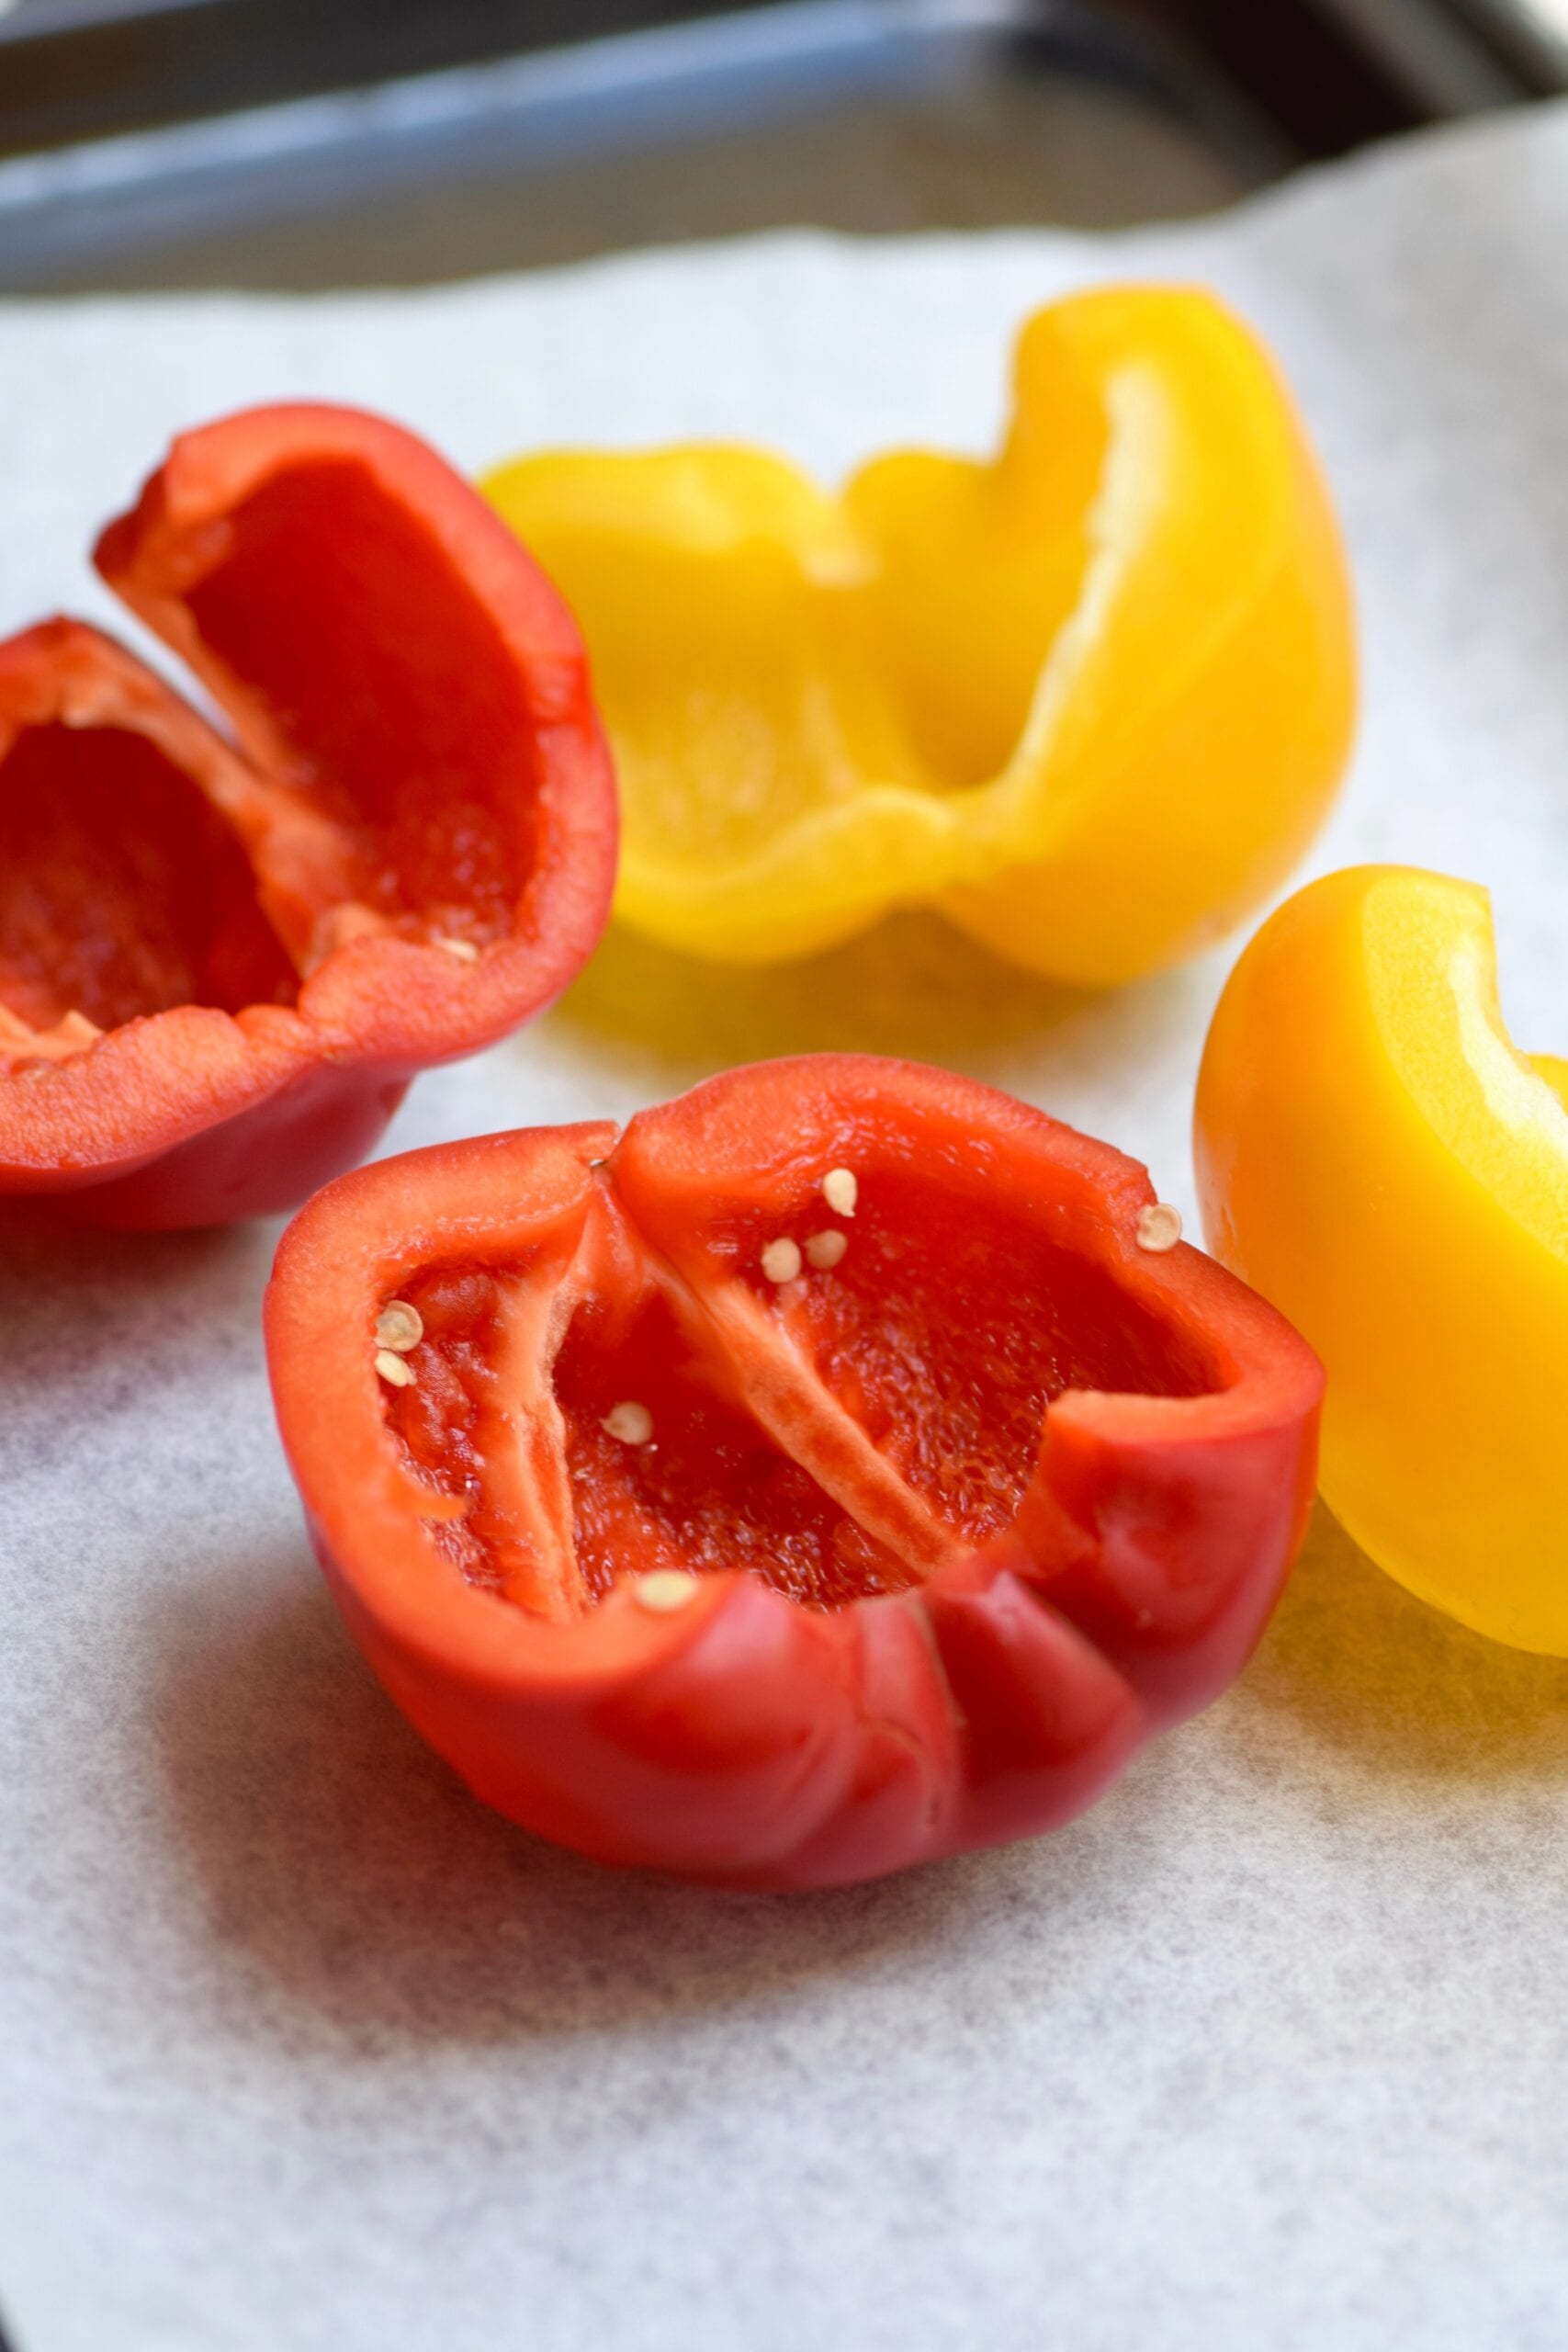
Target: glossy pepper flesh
[221, 960]
[817, 1477]
[1376, 1155]
[1091, 699]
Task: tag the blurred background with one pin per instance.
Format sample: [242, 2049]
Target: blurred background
[294, 143]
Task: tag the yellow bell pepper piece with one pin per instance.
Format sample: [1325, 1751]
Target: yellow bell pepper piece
[1091, 699]
[1376, 1156]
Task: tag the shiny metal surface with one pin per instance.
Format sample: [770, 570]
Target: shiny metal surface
[878, 115]
[1463, 56]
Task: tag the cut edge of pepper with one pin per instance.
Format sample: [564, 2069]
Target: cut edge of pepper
[1260, 1384]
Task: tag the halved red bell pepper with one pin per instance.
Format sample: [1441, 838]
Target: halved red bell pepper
[221, 962]
[837, 1469]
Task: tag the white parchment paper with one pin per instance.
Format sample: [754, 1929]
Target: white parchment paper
[301, 2050]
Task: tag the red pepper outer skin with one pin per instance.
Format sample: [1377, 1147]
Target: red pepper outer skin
[195, 1115]
[747, 1740]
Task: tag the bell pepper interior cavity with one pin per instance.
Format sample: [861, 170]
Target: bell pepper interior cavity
[406, 847]
[612, 1467]
[840, 1434]
[122, 891]
[365, 658]
[1091, 698]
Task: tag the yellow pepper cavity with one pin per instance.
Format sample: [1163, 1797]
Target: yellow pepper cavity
[1091, 699]
[1378, 1159]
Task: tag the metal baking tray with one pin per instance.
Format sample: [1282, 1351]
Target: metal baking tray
[862, 115]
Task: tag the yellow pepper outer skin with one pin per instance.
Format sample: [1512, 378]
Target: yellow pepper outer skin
[1092, 699]
[1375, 1156]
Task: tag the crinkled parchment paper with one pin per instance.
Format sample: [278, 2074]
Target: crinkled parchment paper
[301, 2050]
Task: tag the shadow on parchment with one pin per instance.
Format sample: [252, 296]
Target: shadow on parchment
[116, 1310]
[349, 1874]
[45, 1255]
[1366, 1668]
[911, 986]
[348, 1871]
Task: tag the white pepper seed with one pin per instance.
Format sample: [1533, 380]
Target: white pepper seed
[780, 1260]
[1159, 1227]
[664, 1590]
[399, 1327]
[840, 1191]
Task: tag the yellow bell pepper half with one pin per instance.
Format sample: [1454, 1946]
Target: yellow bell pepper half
[1377, 1159]
[1091, 699]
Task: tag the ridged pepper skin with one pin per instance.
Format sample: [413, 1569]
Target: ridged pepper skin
[696, 1541]
[222, 958]
[1091, 699]
[1381, 1162]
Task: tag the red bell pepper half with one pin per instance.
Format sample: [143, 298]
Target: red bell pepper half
[220, 962]
[710, 1510]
